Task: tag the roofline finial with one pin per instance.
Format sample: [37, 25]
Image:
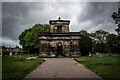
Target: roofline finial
[59, 18]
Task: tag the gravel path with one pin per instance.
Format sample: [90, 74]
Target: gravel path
[61, 68]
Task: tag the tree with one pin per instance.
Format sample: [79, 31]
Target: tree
[17, 47]
[102, 42]
[84, 32]
[29, 39]
[5, 52]
[100, 38]
[113, 42]
[116, 18]
[22, 37]
[85, 45]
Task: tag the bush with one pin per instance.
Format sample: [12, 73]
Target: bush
[85, 45]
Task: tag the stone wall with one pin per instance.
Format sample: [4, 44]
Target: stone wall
[54, 26]
[70, 46]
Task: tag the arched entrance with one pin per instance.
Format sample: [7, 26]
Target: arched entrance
[59, 50]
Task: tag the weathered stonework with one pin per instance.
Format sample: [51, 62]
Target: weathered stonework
[59, 41]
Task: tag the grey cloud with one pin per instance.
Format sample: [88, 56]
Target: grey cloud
[90, 16]
[0, 19]
[0, 23]
[16, 16]
[11, 13]
[99, 13]
[97, 10]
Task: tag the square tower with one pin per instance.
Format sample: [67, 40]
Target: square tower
[59, 26]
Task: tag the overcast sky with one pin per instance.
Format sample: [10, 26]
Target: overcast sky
[89, 16]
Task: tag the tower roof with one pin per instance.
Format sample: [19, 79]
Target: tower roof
[59, 20]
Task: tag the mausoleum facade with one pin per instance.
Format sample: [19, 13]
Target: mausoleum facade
[59, 42]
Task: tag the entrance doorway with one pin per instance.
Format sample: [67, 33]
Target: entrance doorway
[59, 50]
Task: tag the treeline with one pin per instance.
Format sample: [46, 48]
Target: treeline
[99, 41]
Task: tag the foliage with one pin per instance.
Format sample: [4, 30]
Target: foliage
[4, 52]
[101, 36]
[100, 47]
[85, 45]
[15, 68]
[116, 16]
[113, 42]
[84, 32]
[29, 38]
[17, 47]
[99, 41]
[102, 41]
[106, 66]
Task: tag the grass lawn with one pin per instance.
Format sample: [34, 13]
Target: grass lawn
[16, 68]
[108, 67]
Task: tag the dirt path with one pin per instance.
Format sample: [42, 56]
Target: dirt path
[61, 68]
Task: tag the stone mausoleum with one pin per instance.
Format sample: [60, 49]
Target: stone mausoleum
[59, 42]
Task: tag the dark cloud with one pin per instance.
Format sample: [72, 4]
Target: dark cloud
[17, 16]
[0, 19]
[0, 23]
[12, 12]
[91, 16]
[99, 13]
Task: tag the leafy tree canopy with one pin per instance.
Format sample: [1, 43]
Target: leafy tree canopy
[113, 42]
[29, 38]
[85, 45]
[84, 32]
[17, 47]
[103, 41]
[101, 36]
